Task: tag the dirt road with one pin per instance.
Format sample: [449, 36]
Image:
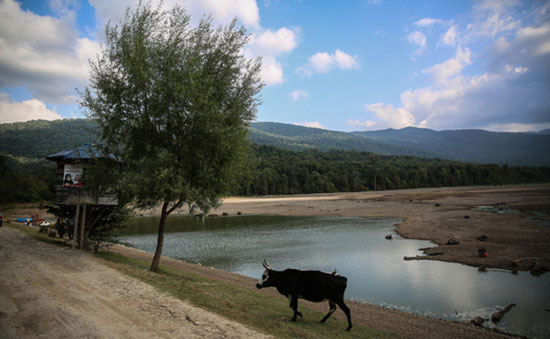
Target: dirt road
[51, 292]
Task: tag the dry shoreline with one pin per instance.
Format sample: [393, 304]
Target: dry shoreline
[513, 241]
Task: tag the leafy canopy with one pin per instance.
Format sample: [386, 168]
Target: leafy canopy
[174, 103]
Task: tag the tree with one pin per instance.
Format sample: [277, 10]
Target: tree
[174, 103]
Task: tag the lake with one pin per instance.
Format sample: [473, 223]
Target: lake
[357, 249]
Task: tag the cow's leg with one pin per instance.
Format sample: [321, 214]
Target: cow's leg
[332, 309]
[294, 306]
[345, 308]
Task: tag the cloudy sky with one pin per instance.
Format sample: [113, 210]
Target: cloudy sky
[339, 65]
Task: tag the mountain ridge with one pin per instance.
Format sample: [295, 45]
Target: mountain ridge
[35, 139]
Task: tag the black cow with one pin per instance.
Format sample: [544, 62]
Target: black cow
[309, 285]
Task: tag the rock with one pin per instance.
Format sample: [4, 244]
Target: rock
[482, 237]
[466, 217]
[437, 205]
[239, 213]
[389, 237]
[497, 316]
[478, 321]
[453, 241]
[225, 214]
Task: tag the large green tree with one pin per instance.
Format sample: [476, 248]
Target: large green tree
[173, 102]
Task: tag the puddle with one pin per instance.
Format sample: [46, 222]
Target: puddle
[493, 209]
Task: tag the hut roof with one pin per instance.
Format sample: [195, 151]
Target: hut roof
[86, 151]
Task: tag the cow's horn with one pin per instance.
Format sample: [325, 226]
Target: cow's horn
[265, 264]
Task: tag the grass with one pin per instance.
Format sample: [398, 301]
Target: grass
[266, 314]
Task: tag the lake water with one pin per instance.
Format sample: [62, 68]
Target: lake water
[357, 249]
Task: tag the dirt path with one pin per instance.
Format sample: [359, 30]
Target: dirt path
[51, 292]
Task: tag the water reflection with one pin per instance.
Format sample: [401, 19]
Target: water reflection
[357, 248]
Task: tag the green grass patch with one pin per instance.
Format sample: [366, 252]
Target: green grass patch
[267, 314]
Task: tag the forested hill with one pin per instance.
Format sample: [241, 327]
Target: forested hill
[477, 146]
[32, 140]
[299, 138]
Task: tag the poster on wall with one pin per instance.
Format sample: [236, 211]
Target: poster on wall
[72, 176]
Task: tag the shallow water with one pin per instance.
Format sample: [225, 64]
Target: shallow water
[357, 249]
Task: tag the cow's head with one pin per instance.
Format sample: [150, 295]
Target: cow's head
[265, 280]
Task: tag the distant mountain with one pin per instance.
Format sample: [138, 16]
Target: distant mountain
[478, 146]
[299, 138]
[29, 142]
[544, 131]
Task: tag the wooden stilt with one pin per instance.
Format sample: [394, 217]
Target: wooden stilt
[83, 227]
[75, 227]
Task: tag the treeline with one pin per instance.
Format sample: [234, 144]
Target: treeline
[272, 170]
[20, 183]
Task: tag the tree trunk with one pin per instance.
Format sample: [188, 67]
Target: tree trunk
[160, 239]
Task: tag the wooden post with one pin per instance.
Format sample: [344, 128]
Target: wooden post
[75, 227]
[82, 227]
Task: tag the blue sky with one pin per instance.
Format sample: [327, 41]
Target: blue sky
[339, 65]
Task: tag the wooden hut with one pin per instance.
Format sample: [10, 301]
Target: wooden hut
[70, 188]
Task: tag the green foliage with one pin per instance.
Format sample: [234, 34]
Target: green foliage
[38, 138]
[35, 184]
[277, 171]
[173, 103]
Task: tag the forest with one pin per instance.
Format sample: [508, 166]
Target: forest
[271, 170]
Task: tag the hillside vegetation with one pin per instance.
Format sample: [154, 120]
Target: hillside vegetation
[287, 159]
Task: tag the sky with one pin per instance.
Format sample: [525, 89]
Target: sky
[340, 65]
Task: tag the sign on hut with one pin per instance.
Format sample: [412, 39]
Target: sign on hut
[70, 187]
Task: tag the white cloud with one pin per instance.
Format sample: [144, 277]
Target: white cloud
[298, 95]
[11, 111]
[362, 125]
[442, 72]
[450, 38]
[419, 39]
[345, 61]
[312, 124]
[269, 45]
[323, 62]
[514, 127]
[42, 53]
[510, 95]
[389, 116]
[426, 22]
